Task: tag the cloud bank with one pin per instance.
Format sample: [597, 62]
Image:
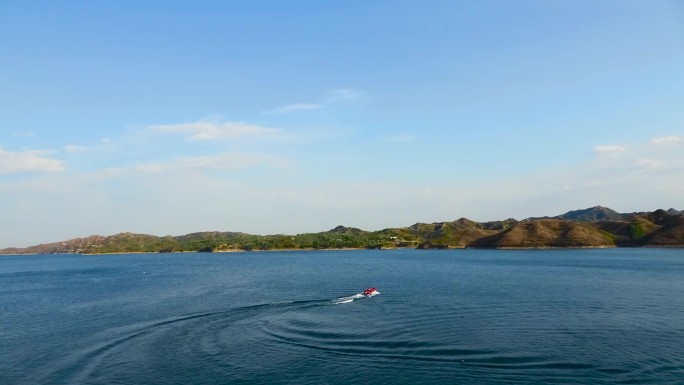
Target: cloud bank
[35, 161]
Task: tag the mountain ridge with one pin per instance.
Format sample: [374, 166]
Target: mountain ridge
[596, 226]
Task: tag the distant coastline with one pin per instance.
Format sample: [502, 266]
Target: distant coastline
[595, 227]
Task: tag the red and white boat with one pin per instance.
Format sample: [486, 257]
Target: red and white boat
[371, 291]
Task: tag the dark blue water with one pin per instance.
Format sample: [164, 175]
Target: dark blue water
[444, 317]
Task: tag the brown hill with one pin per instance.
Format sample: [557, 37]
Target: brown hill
[458, 233]
[545, 233]
[631, 232]
[670, 233]
[345, 230]
[592, 214]
[121, 243]
[72, 246]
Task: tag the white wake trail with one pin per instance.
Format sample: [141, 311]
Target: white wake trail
[353, 298]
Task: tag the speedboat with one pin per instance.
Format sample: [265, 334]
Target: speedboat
[370, 292]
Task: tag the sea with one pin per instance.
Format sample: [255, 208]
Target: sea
[571, 316]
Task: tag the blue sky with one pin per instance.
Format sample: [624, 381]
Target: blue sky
[287, 117]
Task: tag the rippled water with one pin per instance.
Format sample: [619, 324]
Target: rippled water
[444, 317]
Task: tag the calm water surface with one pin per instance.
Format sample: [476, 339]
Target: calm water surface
[444, 317]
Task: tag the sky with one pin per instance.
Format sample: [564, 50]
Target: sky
[266, 117]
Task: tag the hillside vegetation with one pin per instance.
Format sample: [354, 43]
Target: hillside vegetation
[593, 227]
[548, 233]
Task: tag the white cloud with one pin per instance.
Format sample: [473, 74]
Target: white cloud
[216, 129]
[665, 140]
[290, 108]
[28, 161]
[609, 149]
[221, 161]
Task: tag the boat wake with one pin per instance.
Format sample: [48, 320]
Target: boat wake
[218, 337]
[354, 297]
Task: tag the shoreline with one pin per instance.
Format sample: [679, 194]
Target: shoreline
[359, 249]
